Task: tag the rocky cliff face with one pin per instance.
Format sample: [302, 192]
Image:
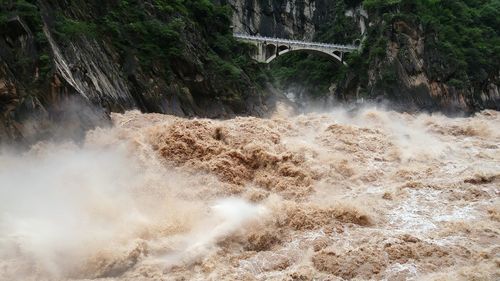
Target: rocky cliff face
[32, 109]
[294, 19]
[55, 84]
[400, 62]
[286, 19]
[413, 75]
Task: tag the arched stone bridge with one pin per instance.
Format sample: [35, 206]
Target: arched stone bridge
[270, 48]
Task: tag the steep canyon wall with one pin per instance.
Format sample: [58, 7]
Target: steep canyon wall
[401, 61]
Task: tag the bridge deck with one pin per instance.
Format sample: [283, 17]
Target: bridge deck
[296, 42]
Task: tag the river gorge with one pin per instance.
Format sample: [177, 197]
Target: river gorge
[249, 140]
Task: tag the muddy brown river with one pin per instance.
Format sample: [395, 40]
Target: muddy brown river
[366, 195]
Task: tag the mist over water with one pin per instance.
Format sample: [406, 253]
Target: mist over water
[371, 194]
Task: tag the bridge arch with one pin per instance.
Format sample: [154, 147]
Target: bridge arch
[270, 48]
[334, 55]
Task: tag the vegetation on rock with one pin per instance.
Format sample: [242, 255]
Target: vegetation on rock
[461, 46]
[317, 73]
[462, 40]
[161, 34]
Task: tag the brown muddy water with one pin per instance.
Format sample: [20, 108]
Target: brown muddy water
[372, 195]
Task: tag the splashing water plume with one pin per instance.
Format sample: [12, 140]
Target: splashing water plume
[371, 194]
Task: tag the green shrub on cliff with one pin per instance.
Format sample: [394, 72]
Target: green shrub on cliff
[380, 4]
[312, 73]
[163, 34]
[30, 14]
[465, 33]
[70, 28]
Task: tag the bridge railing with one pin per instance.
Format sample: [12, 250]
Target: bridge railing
[295, 42]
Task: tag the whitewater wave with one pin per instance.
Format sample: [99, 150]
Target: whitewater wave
[373, 194]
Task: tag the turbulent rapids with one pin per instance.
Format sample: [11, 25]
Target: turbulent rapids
[371, 194]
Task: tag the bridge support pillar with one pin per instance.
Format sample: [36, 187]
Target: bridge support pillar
[261, 53]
